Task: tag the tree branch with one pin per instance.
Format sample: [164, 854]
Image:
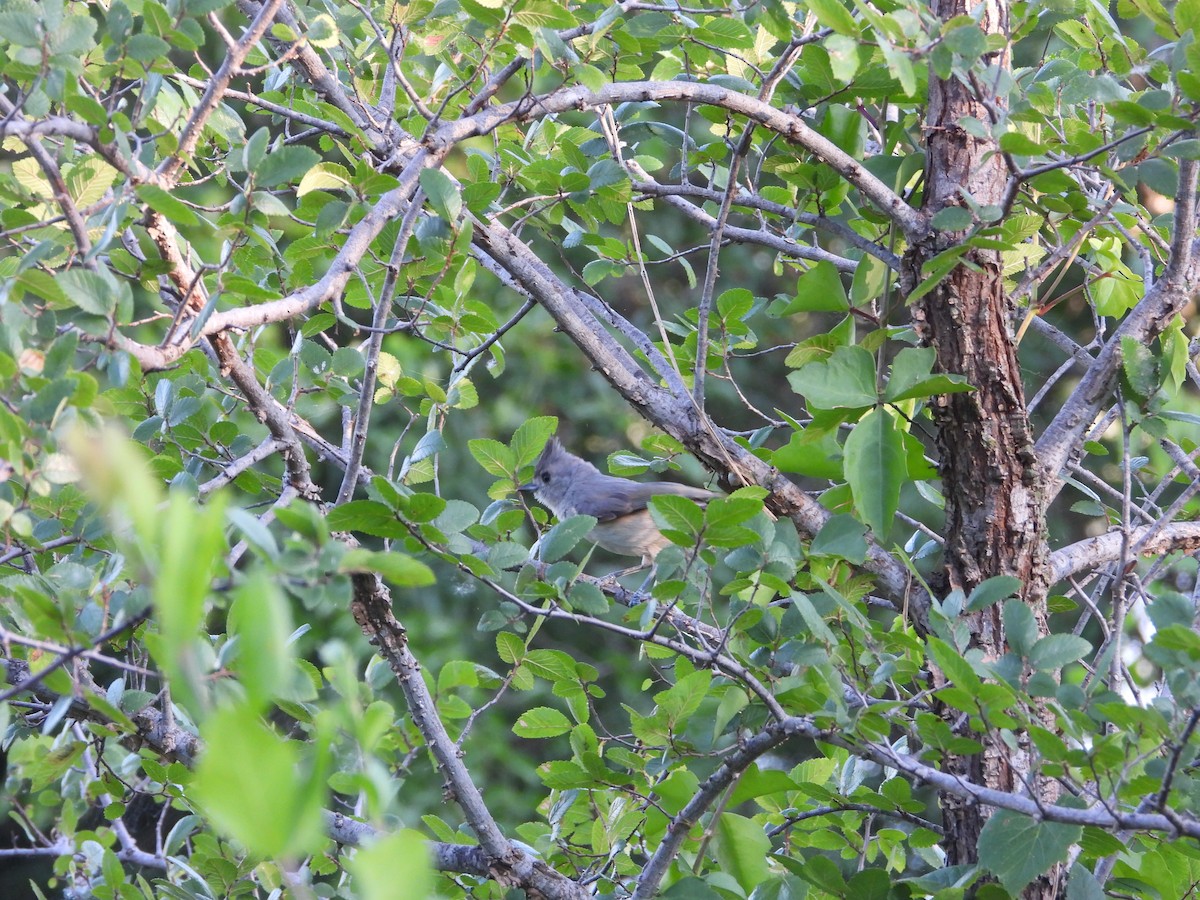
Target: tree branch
[1094, 552]
[371, 608]
[788, 125]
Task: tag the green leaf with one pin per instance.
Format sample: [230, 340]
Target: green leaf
[366, 517]
[398, 568]
[900, 66]
[1171, 608]
[443, 194]
[96, 292]
[911, 366]
[590, 77]
[953, 666]
[529, 439]
[456, 516]
[846, 380]
[285, 164]
[1057, 650]
[160, 201]
[1020, 144]
[820, 289]
[832, 14]
[1139, 367]
[677, 514]
[844, 58]
[843, 536]
[953, 218]
[262, 621]
[817, 455]
[995, 589]
[1082, 885]
[399, 858]
[562, 538]
[1175, 353]
[876, 470]
[269, 807]
[495, 458]
[742, 850]
[510, 647]
[936, 269]
[324, 176]
[1020, 627]
[191, 546]
[1017, 848]
[541, 722]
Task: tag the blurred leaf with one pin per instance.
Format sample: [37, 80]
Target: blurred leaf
[1017, 849]
[995, 589]
[400, 858]
[1057, 650]
[443, 194]
[260, 619]
[819, 289]
[400, 569]
[252, 784]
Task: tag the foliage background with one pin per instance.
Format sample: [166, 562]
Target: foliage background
[292, 295]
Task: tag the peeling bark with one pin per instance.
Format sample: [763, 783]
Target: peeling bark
[995, 523]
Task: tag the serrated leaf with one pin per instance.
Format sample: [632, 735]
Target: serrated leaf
[677, 514]
[541, 722]
[528, 440]
[1057, 650]
[324, 177]
[90, 179]
[495, 458]
[509, 647]
[96, 292]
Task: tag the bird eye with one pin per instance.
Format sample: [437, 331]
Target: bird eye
[545, 478]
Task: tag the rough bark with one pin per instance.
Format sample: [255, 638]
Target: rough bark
[994, 508]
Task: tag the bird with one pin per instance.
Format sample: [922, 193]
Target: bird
[570, 486]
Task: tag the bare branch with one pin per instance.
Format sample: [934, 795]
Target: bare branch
[1098, 551]
[371, 607]
[1142, 324]
[168, 170]
[789, 125]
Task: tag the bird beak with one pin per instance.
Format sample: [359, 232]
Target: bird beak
[527, 487]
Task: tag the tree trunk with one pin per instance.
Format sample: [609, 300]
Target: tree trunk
[994, 509]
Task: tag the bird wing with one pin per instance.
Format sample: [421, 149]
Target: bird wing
[623, 497]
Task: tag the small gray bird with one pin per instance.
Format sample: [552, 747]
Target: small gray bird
[571, 486]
